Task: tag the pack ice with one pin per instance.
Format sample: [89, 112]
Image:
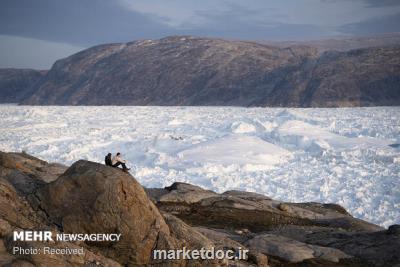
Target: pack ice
[347, 156]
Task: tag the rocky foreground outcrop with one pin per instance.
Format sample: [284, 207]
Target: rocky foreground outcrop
[92, 198]
[184, 70]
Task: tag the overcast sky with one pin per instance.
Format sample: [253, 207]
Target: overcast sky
[34, 33]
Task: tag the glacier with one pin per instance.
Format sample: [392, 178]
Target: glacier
[348, 156]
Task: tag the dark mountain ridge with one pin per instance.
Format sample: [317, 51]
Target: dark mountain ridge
[15, 84]
[184, 70]
[345, 43]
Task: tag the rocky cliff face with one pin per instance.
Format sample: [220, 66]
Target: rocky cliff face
[201, 71]
[92, 198]
[16, 84]
[363, 77]
[346, 43]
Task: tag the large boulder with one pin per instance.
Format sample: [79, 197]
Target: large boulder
[311, 233]
[249, 210]
[16, 214]
[30, 165]
[180, 193]
[188, 236]
[292, 250]
[378, 248]
[21, 175]
[87, 198]
[93, 198]
[87, 259]
[27, 173]
[15, 211]
[223, 239]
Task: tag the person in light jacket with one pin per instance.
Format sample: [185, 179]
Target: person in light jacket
[117, 160]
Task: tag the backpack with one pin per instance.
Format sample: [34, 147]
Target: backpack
[108, 160]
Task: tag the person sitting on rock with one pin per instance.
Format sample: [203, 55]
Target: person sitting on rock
[108, 160]
[117, 160]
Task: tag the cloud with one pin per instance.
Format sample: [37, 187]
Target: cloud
[175, 13]
[240, 22]
[382, 3]
[62, 26]
[18, 52]
[78, 22]
[90, 22]
[384, 24]
[369, 3]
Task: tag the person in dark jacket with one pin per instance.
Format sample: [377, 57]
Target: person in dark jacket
[108, 160]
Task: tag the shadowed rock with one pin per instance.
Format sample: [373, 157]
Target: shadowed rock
[19, 180]
[88, 259]
[93, 198]
[26, 173]
[253, 211]
[292, 250]
[184, 193]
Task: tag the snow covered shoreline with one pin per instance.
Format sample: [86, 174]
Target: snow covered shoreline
[324, 155]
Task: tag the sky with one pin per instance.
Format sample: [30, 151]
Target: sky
[35, 33]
